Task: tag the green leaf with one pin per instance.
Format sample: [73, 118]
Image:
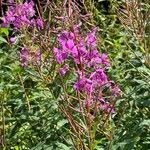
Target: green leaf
[62, 146]
[145, 122]
[2, 40]
[4, 30]
[61, 123]
[16, 148]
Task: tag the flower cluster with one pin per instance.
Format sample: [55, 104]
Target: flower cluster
[91, 66]
[24, 57]
[27, 57]
[20, 15]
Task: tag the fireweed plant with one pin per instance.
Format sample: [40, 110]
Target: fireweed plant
[94, 92]
[87, 97]
[22, 17]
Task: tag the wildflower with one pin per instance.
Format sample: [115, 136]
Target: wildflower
[66, 41]
[39, 23]
[91, 39]
[64, 69]
[107, 107]
[83, 84]
[21, 15]
[114, 89]
[28, 8]
[24, 19]
[60, 55]
[12, 40]
[99, 77]
[82, 50]
[88, 87]
[104, 60]
[69, 44]
[36, 57]
[24, 57]
[10, 1]
[63, 37]
[92, 58]
[79, 85]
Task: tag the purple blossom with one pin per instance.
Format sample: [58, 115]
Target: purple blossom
[82, 48]
[99, 77]
[21, 15]
[79, 85]
[12, 40]
[69, 44]
[104, 60]
[60, 55]
[10, 16]
[64, 69]
[88, 87]
[5, 23]
[39, 23]
[24, 57]
[88, 102]
[92, 58]
[66, 41]
[36, 57]
[114, 89]
[83, 84]
[107, 107]
[91, 77]
[10, 1]
[28, 8]
[63, 36]
[75, 55]
[24, 19]
[91, 39]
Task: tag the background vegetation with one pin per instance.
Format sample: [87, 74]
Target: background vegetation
[124, 35]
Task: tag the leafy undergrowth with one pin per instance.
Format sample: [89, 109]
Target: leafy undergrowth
[45, 99]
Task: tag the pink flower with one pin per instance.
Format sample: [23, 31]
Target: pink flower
[91, 39]
[39, 23]
[92, 58]
[19, 15]
[24, 57]
[64, 69]
[36, 57]
[107, 107]
[12, 40]
[114, 89]
[60, 55]
[104, 60]
[79, 85]
[10, 1]
[99, 77]
[69, 44]
[92, 80]
[83, 84]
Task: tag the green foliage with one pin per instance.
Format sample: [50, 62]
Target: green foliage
[39, 127]
[131, 122]
[30, 117]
